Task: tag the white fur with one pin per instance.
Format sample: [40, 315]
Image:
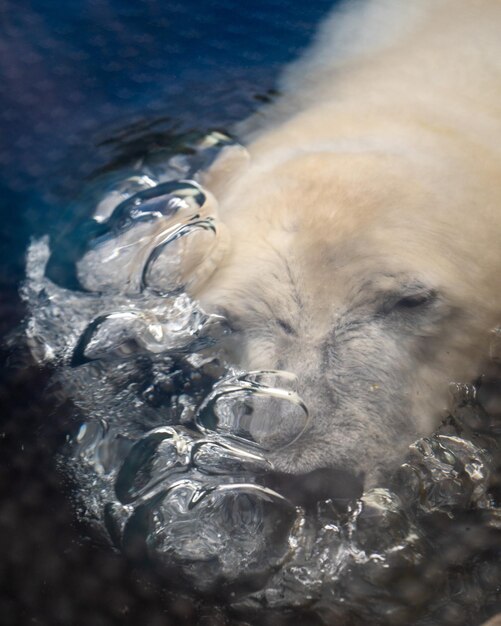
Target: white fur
[382, 157]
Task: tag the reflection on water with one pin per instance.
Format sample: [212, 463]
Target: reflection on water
[171, 459]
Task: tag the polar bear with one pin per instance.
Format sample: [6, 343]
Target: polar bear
[366, 226]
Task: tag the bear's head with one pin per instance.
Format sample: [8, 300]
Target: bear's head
[372, 277]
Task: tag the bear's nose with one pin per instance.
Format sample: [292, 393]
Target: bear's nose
[273, 422]
[255, 407]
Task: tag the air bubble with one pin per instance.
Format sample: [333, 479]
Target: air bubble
[249, 409]
[165, 238]
[215, 533]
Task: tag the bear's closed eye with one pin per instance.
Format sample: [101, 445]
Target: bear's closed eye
[414, 301]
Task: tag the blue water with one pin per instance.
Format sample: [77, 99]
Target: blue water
[74, 73]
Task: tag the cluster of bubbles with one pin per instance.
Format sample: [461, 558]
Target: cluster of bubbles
[170, 456]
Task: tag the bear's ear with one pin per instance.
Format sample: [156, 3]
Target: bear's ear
[231, 163]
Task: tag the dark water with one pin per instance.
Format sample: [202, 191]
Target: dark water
[85, 84]
[74, 77]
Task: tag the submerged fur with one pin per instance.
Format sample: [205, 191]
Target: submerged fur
[366, 225]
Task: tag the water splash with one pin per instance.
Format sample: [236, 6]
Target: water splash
[171, 459]
[165, 238]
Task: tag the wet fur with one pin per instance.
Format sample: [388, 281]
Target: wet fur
[366, 225]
